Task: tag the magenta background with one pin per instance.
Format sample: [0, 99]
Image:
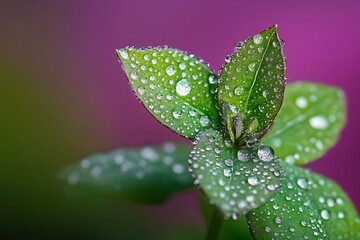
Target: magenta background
[66, 50]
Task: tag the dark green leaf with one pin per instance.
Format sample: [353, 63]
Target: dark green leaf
[309, 122]
[252, 82]
[176, 88]
[307, 206]
[146, 175]
[234, 180]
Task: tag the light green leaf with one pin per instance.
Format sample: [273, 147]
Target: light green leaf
[307, 206]
[252, 82]
[309, 122]
[146, 175]
[234, 180]
[177, 89]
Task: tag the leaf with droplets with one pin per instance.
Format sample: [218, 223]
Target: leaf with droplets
[307, 206]
[308, 123]
[177, 89]
[234, 180]
[252, 82]
[146, 175]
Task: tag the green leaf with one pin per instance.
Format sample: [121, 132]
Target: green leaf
[177, 89]
[309, 122]
[234, 180]
[252, 82]
[307, 206]
[146, 175]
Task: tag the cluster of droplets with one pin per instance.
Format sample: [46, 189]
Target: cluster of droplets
[235, 181]
[254, 78]
[129, 165]
[173, 85]
[318, 206]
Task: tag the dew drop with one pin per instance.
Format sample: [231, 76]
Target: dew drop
[243, 155]
[258, 39]
[301, 102]
[212, 79]
[318, 122]
[141, 90]
[341, 215]
[251, 67]
[301, 182]
[170, 70]
[204, 121]
[182, 66]
[134, 75]
[278, 220]
[238, 90]
[124, 54]
[177, 113]
[265, 153]
[253, 181]
[267, 229]
[227, 172]
[183, 87]
[228, 162]
[325, 214]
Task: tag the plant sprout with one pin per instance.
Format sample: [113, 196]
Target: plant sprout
[250, 137]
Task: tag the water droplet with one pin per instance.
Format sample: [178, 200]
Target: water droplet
[141, 90]
[253, 181]
[238, 90]
[341, 215]
[265, 93]
[267, 229]
[182, 66]
[124, 53]
[177, 113]
[227, 172]
[318, 122]
[330, 202]
[170, 70]
[252, 66]
[183, 87]
[301, 182]
[212, 79]
[271, 187]
[204, 121]
[278, 220]
[177, 168]
[265, 153]
[301, 102]
[325, 214]
[134, 75]
[229, 162]
[243, 155]
[258, 39]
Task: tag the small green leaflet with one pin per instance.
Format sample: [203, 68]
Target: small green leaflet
[146, 175]
[309, 122]
[235, 180]
[177, 89]
[307, 206]
[252, 82]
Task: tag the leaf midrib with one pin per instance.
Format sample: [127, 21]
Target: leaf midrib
[257, 71]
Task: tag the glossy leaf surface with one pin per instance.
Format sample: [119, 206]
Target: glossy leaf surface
[309, 122]
[307, 206]
[252, 82]
[234, 180]
[177, 89]
[146, 175]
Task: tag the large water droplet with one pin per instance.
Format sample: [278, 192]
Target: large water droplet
[253, 181]
[252, 66]
[183, 87]
[301, 102]
[177, 113]
[243, 155]
[278, 220]
[204, 121]
[182, 66]
[301, 182]
[265, 153]
[170, 70]
[318, 122]
[325, 214]
[258, 39]
[238, 90]
[228, 162]
[134, 75]
[227, 172]
[141, 90]
[124, 53]
[212, 79]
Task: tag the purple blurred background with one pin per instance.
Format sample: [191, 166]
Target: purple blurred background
[63, 93]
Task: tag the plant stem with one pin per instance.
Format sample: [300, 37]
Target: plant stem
[214, 226]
